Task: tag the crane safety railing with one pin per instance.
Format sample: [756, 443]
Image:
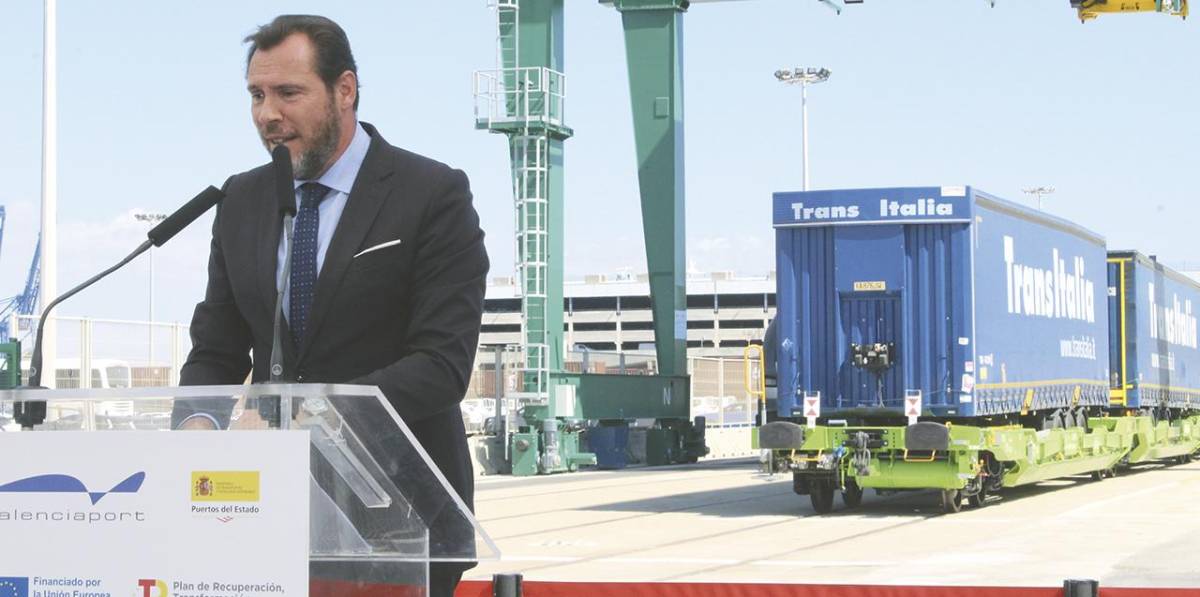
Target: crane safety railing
[522, 97]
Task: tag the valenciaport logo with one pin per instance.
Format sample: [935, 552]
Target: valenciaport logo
[69, 484]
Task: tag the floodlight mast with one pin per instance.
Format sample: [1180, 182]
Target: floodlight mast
[803, 77]
[1038, 192]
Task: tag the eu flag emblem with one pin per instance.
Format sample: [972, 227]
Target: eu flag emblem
[14, 586]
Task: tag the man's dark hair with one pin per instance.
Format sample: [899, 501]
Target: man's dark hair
[329, 40]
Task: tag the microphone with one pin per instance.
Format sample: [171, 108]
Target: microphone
[184, 216]
[285, 195]
[285, 189]
[34, 413]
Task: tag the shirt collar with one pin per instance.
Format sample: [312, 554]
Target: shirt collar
[340, 176]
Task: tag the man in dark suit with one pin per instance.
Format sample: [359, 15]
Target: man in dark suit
[388, 261]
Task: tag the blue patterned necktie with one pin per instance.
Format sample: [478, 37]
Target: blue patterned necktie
[304, 258]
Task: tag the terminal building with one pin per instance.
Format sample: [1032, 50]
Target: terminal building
[612, 313]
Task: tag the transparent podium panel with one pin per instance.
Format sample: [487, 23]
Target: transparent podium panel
[380, 509]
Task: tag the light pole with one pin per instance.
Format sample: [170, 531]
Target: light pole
[1039, 192]
[48, 273]
[152, 219]
[803, 77]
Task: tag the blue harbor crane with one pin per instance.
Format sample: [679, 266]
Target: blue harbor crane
[26, 302]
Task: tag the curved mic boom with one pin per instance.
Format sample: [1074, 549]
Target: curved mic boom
[30, 414]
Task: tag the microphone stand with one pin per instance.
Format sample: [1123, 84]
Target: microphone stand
[269, 407]
[28, 414]
[285, 195]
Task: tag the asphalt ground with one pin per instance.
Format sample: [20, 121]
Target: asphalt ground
[724, 521]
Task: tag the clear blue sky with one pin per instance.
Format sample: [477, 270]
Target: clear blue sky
[153, 108]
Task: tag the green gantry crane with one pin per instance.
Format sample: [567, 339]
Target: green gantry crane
[523, 99]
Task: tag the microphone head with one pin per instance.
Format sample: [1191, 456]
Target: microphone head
[185, 215]
[285, 189]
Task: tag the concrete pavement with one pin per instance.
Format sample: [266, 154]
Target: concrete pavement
[725, 521]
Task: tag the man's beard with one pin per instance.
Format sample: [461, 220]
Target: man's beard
[311, 163]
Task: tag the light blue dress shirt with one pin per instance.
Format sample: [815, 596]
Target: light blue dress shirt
[339, 178]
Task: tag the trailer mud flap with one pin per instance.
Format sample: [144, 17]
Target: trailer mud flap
[927, 436]
[781, 435]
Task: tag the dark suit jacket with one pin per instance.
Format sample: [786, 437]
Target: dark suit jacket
[405, 318]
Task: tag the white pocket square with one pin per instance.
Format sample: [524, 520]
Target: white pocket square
[376, 248]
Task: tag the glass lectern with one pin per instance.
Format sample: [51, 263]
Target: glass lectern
[380, 510]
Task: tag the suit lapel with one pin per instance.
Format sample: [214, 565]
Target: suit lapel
[367, 197]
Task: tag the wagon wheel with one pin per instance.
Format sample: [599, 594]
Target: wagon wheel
[822, 497]
[979, 499]
[951, 501]
[852, 494]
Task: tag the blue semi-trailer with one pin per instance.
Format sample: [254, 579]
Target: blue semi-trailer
[1031, 351]
[1153, 353]
[988, 308]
